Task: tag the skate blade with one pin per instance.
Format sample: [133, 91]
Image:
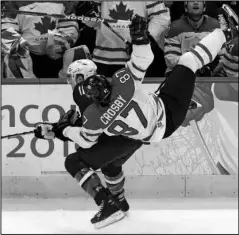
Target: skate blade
[119, 215]
[126, 213]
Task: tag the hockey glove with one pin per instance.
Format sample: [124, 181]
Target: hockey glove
[44, 131]
[68, 119]
[139, 30]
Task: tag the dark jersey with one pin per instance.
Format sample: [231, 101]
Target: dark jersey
[81, 100]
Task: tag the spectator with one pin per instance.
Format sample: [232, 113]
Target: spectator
[110, 52]
[27, 43]
[177, 9]
[186, 32]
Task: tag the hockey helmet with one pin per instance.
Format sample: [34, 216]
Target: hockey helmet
[81, 69]
[98, 88]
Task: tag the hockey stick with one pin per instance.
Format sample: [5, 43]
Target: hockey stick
[117, 34]
[201, 143]
[11, 136]
[67, 17]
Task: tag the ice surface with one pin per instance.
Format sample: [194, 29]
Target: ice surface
[161, 216]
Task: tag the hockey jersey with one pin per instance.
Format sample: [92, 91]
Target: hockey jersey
[132, 112]
[34, 29]
[109, 48]
[182, 37]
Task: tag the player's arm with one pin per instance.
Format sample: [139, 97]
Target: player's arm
[142, 55]
[159, 20]
[85, 136]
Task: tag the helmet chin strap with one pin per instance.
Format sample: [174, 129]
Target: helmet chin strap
[105, 102]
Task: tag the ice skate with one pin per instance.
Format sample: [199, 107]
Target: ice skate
[108, 213]
[123, 204]
[228, 22]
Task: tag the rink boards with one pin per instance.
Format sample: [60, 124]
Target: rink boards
[179, 167]
[145, 186]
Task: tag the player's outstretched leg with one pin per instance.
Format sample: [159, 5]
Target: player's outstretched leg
[176, 93]
[109, 211]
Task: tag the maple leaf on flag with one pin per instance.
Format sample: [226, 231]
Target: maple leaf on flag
[44, 25]
[121, 13]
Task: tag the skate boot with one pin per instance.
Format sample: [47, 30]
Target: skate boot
[123, 204]
[120, 200]
[108, 213]
[228, 21]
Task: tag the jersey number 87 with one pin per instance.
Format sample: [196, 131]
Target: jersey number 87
[124, 128]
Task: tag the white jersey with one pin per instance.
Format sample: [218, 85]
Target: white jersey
[132, 112]
[109, 48]
[34, 29]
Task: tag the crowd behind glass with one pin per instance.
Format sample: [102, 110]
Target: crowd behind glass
[175, 27]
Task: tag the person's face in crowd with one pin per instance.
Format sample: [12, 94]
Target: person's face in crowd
[195, 9]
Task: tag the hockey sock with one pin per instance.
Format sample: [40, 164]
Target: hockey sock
[116, 184]
[204, 52]
[91, 184]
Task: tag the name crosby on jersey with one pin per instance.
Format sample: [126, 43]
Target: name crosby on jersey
[112, 111]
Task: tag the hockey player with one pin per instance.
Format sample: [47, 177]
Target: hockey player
[107, 155]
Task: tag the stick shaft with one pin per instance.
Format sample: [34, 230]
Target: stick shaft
[116, 33]
[69, 17]
[13, 135]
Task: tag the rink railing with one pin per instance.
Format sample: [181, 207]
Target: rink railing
[147, 80]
